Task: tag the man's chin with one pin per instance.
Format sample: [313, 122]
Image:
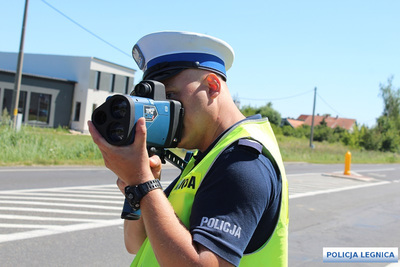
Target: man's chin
[184, 145]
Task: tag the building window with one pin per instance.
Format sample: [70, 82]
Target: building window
[112, 83]
[97, 77]
[77, 111]
[126, 85]
[8, 102]
[39, 108]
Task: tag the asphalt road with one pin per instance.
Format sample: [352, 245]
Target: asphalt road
[355, 212]
[69, 216]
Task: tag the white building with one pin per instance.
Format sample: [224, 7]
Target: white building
[45, 84]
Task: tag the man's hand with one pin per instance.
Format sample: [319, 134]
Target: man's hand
[155, 165]
[130, 163]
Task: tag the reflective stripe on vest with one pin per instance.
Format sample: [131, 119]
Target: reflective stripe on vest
[275, 251]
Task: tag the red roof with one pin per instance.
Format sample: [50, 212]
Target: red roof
[331, 122]
[295, 123]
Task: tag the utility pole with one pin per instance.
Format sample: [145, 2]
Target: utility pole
[312, 121]
[18, 74]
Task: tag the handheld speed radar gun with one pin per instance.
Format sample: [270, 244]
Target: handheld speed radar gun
[116, 118]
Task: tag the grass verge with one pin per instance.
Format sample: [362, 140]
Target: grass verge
[40, 146]
[298, 150]
[43, 146]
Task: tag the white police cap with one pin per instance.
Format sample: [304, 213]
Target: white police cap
[163, 54]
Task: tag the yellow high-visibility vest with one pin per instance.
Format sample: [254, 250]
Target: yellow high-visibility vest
[275, 251]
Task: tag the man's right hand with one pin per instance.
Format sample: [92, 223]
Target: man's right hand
[155, 165]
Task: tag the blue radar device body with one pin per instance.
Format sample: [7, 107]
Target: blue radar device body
[116, 118]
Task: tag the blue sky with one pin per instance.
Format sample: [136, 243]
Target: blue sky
[283, 49]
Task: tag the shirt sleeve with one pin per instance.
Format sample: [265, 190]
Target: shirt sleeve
[231, 201]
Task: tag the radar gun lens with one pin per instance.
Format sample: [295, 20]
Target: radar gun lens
[119, 108]
[116, 132]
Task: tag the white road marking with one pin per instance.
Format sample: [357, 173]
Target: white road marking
[64, 195]
[80, 200]
[58, 189]
[58, 230]
[76, 212]
[41, 218]
[36, 203]
[366, 170]
[319, 192]
[51, 169]
[105, 196]
[95, 206]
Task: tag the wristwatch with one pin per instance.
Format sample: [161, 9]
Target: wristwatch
[135, 193]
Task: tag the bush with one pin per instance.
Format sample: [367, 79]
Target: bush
[351, 140]
[322, 133]
[370, 139]
[5, 118]
[390, 141]
[276, 129]
[273, 116]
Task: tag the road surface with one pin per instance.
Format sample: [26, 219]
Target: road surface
[69, 216]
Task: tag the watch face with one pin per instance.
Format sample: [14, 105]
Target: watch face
[133, 195]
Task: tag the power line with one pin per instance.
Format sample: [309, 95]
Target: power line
[328, 105]
[85, 29]
[275, 99]
[288, 97]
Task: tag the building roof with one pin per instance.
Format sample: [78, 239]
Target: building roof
[295, 123]
[331, 122]
[114, 64]
[72, 68]
[38, 76]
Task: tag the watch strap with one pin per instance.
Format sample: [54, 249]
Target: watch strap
[149, 186]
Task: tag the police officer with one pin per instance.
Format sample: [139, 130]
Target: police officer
[229, 206]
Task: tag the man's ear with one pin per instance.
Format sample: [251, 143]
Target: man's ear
[214, 85]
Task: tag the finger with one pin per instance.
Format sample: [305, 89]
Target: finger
[96, 136]
[121, 185]
[155, 165]
[98, 139]
[155, 161]
[140, 133]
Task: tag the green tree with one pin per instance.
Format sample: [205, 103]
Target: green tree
[387, 130]
[322, 132]
[352, 139]
[265, 111]
[391, 100]
[272, 115]
[299, 132]
[370, 139]
[248, 110]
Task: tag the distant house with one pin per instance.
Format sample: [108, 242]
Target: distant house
[331, 122]
[61, 90]
[292, 122]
